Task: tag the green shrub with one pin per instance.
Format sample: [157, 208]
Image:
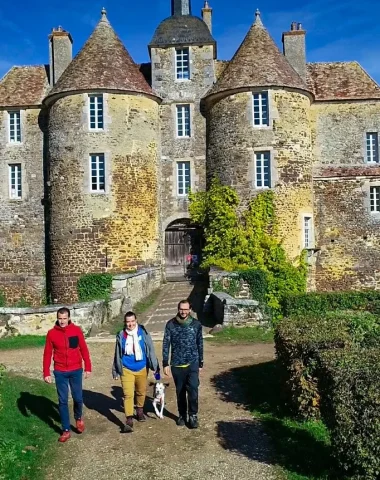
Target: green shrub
[298, 343]
[350, 388]
[310, 304]
[94, 286]
[247, 239]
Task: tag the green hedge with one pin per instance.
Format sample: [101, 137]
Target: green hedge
[350, 389]
[298, 342]
[94, 286]
[310, 304]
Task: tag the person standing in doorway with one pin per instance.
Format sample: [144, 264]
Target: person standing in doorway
[183, 336]
[134, 356]
[66, 343]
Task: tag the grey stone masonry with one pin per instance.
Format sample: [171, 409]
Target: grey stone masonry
[230, 311]
[174, 148]
[294, 48]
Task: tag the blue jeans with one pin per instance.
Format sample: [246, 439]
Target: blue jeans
[62, 381]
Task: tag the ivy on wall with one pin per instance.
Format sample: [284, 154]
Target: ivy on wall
[94, 286]
[247, 240]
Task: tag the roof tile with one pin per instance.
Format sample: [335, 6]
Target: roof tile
[24, 86]
[341, 81]
[103, 63]
[257, 63]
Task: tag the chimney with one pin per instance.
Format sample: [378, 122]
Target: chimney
[207, 15]
[60, 53]
[294, 48]
[181, 7]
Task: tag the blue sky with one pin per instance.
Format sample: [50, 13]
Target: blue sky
[347, 30]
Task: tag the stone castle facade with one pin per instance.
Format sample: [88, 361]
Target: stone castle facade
[97, 154]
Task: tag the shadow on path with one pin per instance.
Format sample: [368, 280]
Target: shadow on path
[297, 447]
[103, 404]
[41, 407]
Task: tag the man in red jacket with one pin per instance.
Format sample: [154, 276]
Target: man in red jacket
[66, 343]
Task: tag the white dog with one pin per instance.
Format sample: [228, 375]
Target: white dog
[159, 398]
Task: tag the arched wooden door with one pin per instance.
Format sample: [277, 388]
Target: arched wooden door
[182, 240]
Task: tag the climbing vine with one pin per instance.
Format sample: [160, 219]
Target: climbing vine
[247, 240]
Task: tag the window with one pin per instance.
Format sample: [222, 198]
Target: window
[96, 112]
[182, 64]
[374, 197]
[14, 126]
[183, 121]
[15, 187]
[307, 232]
[262, 170]
[260, 109]
[372, 147]
[97, 172]
[183, 178]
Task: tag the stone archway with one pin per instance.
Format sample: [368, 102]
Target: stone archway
[183, 248]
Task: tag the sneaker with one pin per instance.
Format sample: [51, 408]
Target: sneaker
[80, 425]
[64, 436]
[193, 421]
[181, 421]
[140, 414]
[128, 426]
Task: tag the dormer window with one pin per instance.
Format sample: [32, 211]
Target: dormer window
[182, 64]
[260, 109]
[96, 112]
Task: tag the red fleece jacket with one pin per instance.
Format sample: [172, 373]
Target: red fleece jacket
[69, 350]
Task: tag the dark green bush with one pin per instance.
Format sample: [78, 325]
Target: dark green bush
[3, 300]
[350, 389]
[310, 304]
[298, 343]
[94, 286]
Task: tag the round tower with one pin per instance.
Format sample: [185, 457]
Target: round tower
[259, 133]
[103, 160]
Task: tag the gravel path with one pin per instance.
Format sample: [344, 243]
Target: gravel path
[228, 445]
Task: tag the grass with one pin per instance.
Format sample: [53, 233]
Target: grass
[243, 335]
[22, 341]
[29, 423]
[302, 448]
[140, 307]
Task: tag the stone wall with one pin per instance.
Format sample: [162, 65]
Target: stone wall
[233, 140]
[348, 233]
[128, 290]
[181, 149]
[230, 311]
[111, 231]
[22, 237]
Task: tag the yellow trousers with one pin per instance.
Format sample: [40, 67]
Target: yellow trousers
[134, 385]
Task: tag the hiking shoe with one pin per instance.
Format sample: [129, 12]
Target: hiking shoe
[140, 414]
[64, 436]
[193, 421]
[128, 426]
[79, 425]
[181, 421]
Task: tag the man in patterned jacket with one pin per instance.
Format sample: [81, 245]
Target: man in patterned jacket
[183, 336]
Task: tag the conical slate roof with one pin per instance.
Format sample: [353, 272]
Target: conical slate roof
[103, 63]
[257, 63]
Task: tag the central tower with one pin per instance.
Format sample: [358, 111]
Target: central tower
[182, 51]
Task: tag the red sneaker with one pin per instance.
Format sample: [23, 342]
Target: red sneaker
[80, 425]
[64, 437]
